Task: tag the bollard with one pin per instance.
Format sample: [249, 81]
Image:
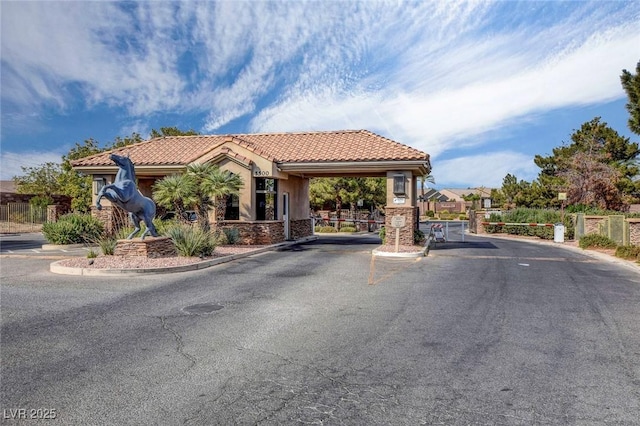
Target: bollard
[558, 233]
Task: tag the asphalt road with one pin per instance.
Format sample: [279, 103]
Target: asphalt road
[482, 332]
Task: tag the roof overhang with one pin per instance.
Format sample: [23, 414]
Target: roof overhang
[355, 168]
[155, 170]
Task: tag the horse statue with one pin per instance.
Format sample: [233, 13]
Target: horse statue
[125, 194]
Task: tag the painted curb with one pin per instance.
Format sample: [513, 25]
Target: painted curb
[61, 246]
[421, 253]
[56, 268]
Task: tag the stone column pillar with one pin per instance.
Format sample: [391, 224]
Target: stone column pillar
[407, 232]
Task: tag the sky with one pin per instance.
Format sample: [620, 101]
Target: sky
[482, 87]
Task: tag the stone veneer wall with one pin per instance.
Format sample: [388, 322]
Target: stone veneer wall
[634, 231]
[406, 233]
[478, 217]
[54, 211]
[113, 218]
[301, 228]
[592, 224]
[258, 232]
[151, 247]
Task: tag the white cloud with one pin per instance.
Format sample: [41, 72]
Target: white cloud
[434, 75]
[475, 88]
[486, 170]
[11, 163]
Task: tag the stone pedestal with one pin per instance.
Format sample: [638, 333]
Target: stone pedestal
[152, 247]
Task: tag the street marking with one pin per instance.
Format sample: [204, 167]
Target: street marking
[372, 270]
[540, 259]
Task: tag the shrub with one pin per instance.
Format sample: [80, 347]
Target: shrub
[526, 216]
[192, 241]
[73, 228]
[597, 241]
[348, 229]
[628, 252]
[383, 234]
[431, 213]
[107, 245]
[326, 229]
[231, 235]
[418, 237]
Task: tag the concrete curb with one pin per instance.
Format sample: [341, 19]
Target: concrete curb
[62, 246]
[414, 254]
[56, 268]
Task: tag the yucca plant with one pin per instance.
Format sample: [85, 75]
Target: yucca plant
[191, 241]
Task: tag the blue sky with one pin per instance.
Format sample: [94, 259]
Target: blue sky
[480, 86]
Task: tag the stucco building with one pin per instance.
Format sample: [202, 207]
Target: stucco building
[273, 205]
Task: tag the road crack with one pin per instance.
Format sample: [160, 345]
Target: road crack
[180, 344]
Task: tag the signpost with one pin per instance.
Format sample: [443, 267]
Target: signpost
[398, 222]
[562, 196]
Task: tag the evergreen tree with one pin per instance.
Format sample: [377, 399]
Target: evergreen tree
[631, 85]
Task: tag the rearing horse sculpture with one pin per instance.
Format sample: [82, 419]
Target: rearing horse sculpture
[124, 193]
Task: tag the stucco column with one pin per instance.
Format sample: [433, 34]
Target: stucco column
[401, 201]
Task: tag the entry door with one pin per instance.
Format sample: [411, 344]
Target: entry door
[285, 216]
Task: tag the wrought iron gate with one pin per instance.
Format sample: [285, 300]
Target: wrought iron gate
[21, 217]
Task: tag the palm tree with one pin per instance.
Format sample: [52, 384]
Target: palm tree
[203, 186]
[175, 192]
[213, 185]
[425, 178]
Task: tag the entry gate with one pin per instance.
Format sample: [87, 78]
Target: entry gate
[21, 217]
[442, 231]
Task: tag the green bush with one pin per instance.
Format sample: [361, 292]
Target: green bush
[418, 237]
[231, 235]
[431, 213]
[348, 229]
[191, 241]
[596, 241]
[628, 252]
[107, 245]
[383, 234]
[325, 229]
[73, 228]
[526, 216]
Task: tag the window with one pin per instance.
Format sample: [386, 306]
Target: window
[266, 199]
[399, 185]
[98, 184]
[233, 208]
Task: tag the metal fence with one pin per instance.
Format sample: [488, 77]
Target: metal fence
[21, 217]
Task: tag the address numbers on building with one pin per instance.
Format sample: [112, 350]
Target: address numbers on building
[261, 173]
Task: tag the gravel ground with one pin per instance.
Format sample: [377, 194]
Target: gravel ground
[131, 262]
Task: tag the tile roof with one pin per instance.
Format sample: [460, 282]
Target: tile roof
[308, 147]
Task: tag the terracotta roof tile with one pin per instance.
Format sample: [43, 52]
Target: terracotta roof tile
[309, 147]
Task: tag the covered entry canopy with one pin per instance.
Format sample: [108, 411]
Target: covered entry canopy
[331, 153]
[276, 164]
